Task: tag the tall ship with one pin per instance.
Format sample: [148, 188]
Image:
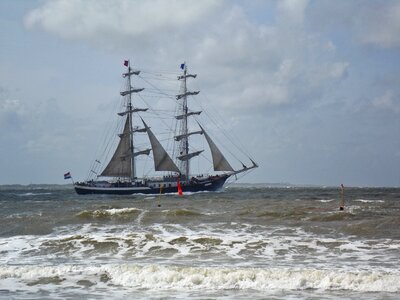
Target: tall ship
[173, 171]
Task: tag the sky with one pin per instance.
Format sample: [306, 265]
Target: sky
[310, 88]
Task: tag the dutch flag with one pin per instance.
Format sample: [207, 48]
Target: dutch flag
[67, 175]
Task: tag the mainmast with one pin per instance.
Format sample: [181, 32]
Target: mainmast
[184, 134]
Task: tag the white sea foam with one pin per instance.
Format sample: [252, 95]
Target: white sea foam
[33, 194]
[369, 201]
[109, 212]
[167, 277]
[326, 200]
[261, 245]
[117, 211]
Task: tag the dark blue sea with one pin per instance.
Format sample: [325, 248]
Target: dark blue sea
[245, 242]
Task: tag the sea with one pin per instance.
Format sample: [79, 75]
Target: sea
[245, 242]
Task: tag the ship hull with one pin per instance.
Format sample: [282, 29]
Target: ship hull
[210, 185]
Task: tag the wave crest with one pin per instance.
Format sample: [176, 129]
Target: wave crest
[160, 277]
[106, 213]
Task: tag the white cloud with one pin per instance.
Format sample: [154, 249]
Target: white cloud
[339, 69]
[11, 114]
[245, 62]
[387, 101]
[10, 106]
[93, 19]
[375, 23]
[379, 24]
[293, 12]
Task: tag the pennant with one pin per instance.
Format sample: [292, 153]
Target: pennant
[183, 66]
[126, 63]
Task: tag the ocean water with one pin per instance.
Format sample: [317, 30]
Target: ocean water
[244, 242]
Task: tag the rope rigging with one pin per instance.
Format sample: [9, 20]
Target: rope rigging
[169, 120]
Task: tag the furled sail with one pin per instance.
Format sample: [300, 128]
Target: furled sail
[131, 91]
[189, 155]
[132, 111]
[143, 152]
[179, 137]
[186, 94]
[219, 161]
[120, 163]
[162, 161]
[180, 117]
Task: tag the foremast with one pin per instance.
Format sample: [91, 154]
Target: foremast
[130, 117]
[183, 136]
[122, 163]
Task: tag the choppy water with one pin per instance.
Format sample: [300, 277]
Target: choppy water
[245, 242]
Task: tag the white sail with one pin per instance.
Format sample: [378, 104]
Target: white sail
[162, 161]
[120, 163]
[219, 161]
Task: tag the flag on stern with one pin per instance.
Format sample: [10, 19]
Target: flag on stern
[67, 175]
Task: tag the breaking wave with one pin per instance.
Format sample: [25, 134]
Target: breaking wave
[33, 194]
[369, 201]
[164, 277]
[104, 213]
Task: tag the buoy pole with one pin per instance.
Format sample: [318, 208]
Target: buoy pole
[161, 191]
[341, 205]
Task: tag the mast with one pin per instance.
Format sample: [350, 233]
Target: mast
[129, 112]
[183, 136]
[186, 163]
[129, 108]
[122, 163]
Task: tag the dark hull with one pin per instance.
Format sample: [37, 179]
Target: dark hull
[212, 184]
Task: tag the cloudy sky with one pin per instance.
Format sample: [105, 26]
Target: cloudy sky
[311, 88]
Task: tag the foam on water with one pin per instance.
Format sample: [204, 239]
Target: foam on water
[369, 201]
[159, 277]
[326, 200]
[108, 212]
[33, 194]
[237, 245]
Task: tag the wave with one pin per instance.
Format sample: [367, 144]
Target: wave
[33, 194]
[173, 242]
[335, 216]
[105, 213]
[182, 212]
[369, 201]
[326, 200]
[167, 277]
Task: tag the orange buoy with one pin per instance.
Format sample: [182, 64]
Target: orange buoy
[180, 193]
